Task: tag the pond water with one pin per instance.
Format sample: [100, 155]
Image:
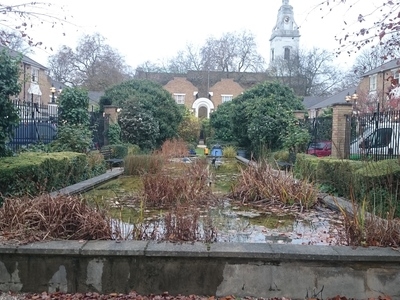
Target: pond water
[232, 222]
[235, 223]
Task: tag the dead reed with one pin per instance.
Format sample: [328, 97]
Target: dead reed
[262, 184]
[367, 229]
[137, 164]
[63, 217]
[190, 185]
[174, 148]
[183, 224]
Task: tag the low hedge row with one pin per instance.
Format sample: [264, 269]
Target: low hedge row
[349, 178]
[32, 173]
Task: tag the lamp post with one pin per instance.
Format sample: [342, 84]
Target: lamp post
[53, 91]
[353, 98]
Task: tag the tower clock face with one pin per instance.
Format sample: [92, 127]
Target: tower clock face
[286, 19]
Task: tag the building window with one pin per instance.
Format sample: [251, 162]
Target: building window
[179, 98]
[226, 98]
[396, 75]
[287, 53]
[372, 82]
[272, 54]
[35, 75]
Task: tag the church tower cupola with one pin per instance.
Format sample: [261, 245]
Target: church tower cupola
[285, 36]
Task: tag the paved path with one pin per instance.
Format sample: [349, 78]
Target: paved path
[86, 185]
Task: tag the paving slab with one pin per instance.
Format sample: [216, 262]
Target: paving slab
[62, 247]
[114, 248]
[89, 184]
[196, 249]
[242, 250]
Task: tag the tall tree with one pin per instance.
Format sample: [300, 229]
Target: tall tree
[312, 72]
[93, 64]
[9, 86]
[74, 104]
[232, 52]
[152, 100]
[262, 114]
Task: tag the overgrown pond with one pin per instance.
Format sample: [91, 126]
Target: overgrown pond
[231, 221]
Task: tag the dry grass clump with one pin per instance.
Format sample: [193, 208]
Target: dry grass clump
[183, 224]
[140, 164]
[190, 185]
[367, 229]
[174, 148]
[262, 184]
[230, 152]
[62, 217]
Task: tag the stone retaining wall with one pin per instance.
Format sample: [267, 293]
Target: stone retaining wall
[263, 270]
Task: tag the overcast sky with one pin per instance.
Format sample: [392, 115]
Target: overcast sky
[155, 30]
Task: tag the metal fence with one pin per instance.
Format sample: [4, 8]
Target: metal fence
[320, 128]
[375, 135]
[38, 124]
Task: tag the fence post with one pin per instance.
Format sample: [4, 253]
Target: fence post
[110, 118]
[340, 130]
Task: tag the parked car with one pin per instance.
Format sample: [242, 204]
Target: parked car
[30, 133]
[382, 139]
[320, 149]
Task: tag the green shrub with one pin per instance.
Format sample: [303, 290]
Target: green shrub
[72, 137]
[31, 173]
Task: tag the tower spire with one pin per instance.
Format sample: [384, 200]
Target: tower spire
[285, 35]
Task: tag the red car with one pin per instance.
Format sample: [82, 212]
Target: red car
[320, 149]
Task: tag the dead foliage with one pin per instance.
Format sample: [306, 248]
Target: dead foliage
[262, 184]
[164, 296]
[169, 189]
[42, 218]
[366, 229]
[174, 148]
[136, 164]
[183, 224]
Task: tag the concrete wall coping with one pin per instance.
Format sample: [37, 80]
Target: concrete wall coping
[273, 252]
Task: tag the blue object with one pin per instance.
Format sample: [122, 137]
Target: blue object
[216, 150]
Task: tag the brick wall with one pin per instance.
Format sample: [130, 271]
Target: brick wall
[340, 140]
[181, 85]
[227, 86]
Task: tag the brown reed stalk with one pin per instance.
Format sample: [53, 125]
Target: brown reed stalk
[44, 217]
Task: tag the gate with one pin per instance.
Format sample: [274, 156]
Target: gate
[375, 135]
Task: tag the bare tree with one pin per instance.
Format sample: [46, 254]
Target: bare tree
[308, 72]
[15, 41]
[188, 59]
[233, 52]
[93, 64]
[377, 24]
[19, 19]
[371, 58]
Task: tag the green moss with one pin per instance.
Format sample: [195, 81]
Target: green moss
[273, 221]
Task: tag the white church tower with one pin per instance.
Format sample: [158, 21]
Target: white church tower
[285, 36]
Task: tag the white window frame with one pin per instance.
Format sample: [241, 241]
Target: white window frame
[179, 98]
[226, 98]
[396, 74]
[373, 82]
[34, 74]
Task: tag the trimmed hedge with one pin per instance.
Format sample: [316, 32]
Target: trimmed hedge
[349, 178]
[32, 173]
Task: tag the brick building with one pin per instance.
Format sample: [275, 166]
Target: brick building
[202, 92]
